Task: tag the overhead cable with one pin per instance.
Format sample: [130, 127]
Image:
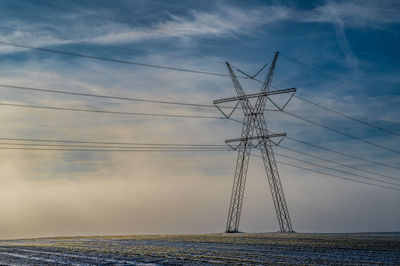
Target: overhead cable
[331, 150]
[108, 112]
[335, 162]
[348, 116]
[340, 132]
[337, 176]
[337, 170]
[56, 51]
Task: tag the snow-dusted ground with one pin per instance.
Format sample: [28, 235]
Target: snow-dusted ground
[272, 248]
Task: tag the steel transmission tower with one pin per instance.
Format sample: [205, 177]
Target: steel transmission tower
[255, 129]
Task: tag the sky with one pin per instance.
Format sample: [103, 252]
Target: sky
[340, 54]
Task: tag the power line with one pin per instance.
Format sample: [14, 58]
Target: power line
[110, 97]
[337, 170]
[48, 50]
[108, 112]
[339, 113]
[332, 175]
[119, 97]
[331, 150]
[113, 148]
[348, 116]
[337, 163]
[187, 150]
[173, 103]
[108, 143]
[333, 169]
[159, 147]
[110, 150]
[341, 177]
[341, 133]
[141, 146]
[341, 153]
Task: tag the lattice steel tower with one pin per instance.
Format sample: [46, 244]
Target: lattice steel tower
[255, 128]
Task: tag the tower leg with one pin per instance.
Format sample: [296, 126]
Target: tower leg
[274, 181]
[239, 181]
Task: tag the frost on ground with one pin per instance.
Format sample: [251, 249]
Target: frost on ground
[269, 248]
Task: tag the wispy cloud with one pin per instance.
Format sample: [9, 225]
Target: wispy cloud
[225, 21]
[356, 13]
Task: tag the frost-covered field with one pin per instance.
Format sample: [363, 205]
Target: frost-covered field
[269, 248]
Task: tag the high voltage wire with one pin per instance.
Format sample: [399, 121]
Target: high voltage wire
[337, 112]
[55, 51]
[341, 153]
[190, 116]
[341, 133]
[341, 177]
[365, 123]
[332, 175]
[186, 116]
[330, 150]
[110, 97]
[337, 170]
[174, 103]
[142, 146]
[156, 147]
[119, 97]
[110, 150]
[109, 112]
[179, 103]
[107, 143]
[128, 149]
[347, 116]
[168, 115]
[337, 163]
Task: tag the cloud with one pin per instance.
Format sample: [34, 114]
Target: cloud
[356, 13]
[225, 21]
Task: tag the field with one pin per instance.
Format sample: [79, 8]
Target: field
[267, 248]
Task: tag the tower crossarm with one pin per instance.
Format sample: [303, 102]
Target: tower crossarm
[254, 95]
[256, 137]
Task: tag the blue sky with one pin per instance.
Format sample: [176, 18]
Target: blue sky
[340, 54]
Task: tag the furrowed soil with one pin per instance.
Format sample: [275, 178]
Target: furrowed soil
[241, 248]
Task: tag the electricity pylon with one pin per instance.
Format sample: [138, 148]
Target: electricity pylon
[255, 128]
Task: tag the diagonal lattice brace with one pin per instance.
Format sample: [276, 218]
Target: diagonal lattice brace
[261, 101]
